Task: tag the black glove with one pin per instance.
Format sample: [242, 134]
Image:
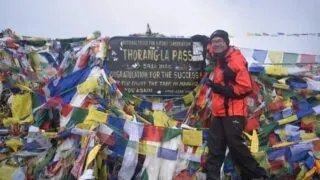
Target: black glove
[226, 91]
[219, 89]
[228, 74]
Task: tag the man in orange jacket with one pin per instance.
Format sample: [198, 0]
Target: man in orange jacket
[230, 85]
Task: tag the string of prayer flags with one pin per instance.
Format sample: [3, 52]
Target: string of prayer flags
[65, 116]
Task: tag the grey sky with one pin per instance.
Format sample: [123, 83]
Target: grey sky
[76, 18]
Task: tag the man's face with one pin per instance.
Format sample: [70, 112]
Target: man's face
[218, 45]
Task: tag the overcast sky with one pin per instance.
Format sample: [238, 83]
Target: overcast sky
[78, 18]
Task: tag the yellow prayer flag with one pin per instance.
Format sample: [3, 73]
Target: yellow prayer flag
[147, 148]
[275, 56]
[192, 137]
[254, 142]
[50, 135]
[161, 119]
[276, 70]
[90, 85]
[172, 123]
[8, 121]
[136, 100]
[34, 59]
[280, 86]
[262, 118]
[278, 98]
[288, 103]
[83, 126]
[254, 145]
[201, 151]
[187, 99]
[21, 109]
[14, 144]
[309, 119]
[307, 136]
[92, 155]
[95, 116]
[22, 105]
[24, 87]
[283, 80]
[283, 144]
[287, 120]
[102, 173]
[247, 134]
[282, 134]
[250, 34]
[301, 173]
[6, 171]
[309, 174]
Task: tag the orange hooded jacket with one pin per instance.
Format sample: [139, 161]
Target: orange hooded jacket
[241, 85]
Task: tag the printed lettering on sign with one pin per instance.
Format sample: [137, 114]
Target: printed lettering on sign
[156, 66]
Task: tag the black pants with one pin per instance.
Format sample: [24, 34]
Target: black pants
[227, 131]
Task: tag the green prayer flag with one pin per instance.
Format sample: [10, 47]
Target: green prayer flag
[209, 68]
[35, 101]
[290, 58]
[145, 175]
[40, 116]
[78, 116]
[127, 96]
[170, 133]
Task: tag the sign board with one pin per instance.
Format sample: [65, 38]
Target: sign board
[156, 66]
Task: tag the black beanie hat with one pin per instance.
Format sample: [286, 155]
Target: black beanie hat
[221, 33]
